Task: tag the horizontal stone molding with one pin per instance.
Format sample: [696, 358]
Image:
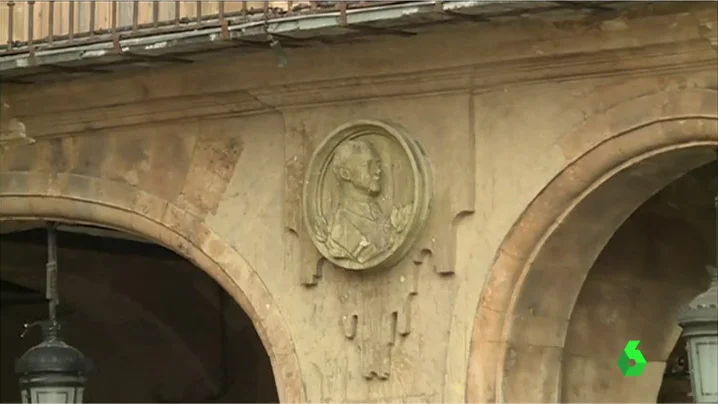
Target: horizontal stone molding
[94, 115]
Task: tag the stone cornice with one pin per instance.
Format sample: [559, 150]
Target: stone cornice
[653, 60]
[692, 55]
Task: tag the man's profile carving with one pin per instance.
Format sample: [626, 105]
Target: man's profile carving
[366, 195]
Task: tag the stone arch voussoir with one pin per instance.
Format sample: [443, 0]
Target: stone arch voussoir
[520, 325]
[117, 205]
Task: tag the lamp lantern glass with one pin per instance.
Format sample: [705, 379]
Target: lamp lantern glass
[699, 320]
[52, 371]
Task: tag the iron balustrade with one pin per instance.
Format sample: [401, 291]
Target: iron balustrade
[30, 25]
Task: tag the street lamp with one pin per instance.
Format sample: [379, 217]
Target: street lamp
[699, 320]
[52, 371]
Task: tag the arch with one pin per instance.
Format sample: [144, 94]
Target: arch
[117, 205]
[633, 150]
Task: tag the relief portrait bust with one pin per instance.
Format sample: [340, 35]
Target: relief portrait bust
[366, 195]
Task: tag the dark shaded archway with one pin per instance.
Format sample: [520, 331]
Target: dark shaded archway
[159, 329]
[97, 201]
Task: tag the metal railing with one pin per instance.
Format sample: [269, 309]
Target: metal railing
[30, 24]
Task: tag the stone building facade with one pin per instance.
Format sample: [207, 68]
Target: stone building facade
[438, 216]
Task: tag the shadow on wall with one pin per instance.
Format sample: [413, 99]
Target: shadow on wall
[676, 384]
[149, 320]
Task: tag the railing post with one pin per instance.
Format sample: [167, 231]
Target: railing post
[135, 16]
[343, 14]
[199, 13]
[222, 21]
[51, 21]
[10, 24]
[93, 6]
[30, 23]
[71, 34]
[155, 13]
[113, 17]
[113, 29]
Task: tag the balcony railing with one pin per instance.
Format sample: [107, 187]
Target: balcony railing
[27, 25]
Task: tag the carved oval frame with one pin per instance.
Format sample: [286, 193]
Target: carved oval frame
[422, 180]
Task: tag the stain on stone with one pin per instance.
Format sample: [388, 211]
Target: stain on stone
[129, 152]
[214, 160]
[13, 182]
[58, 159]
[170, 156]
[219, 153]
[21, 158]
[92, 154]
[133, 150]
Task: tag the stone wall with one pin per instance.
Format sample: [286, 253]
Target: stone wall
[210, 161]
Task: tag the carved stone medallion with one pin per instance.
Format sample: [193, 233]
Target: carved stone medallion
[366, 195]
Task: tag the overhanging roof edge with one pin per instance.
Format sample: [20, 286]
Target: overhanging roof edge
[246, 30]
